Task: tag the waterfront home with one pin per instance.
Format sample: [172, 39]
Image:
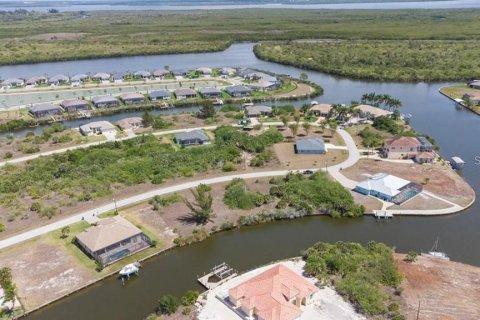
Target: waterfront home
[159, 95]
[112, 239]
[142, 74]
[132, 98]
[81, 77]
[238, 91]
[401, 147]
[310, 146]
[371, 112]
[388, 188]
[226, 71]
[97, 128]
[74, 105]
[105, 101]
[475, 84]
[117, 78]
[425, 145]
[130, 123]
[58, 80]
[101, 76]
[263, 85]
[425, 157]
[205, 71]
[44, 110]
[473, 98]
[180, 73]
[12, 82]
[210, 92]
[35, 81]
[275, 294]
[185, 93]
[194, 137]
[161, 73]
[321, 110]
[258, 111]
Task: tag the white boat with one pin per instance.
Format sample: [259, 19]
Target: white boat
[434, 253]
[218, 102]
[130, 269]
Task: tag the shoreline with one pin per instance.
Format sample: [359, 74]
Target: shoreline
[457, 103]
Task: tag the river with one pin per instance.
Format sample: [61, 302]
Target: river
[456, 131]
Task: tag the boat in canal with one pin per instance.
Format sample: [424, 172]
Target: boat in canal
[130, 269]
[435, 253]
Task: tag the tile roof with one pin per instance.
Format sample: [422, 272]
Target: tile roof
[402, 142]
[268, 293]
[322, 107]
[374, 111]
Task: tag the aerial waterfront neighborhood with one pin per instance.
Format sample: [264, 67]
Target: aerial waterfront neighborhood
[239, 161]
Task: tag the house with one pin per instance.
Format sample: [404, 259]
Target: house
[425, 157]
[160, 73]
[205, 71]
[275, 294]
[35, 81]
[475, 84]
[226, 71]
[238, 91]
[185, 93]
[142, 74]
[425, 145]
[210, 92]
[310, 146]
[263, 85]
[371, 112]
[44, 110]
[194, 137]
[74, 105]
[101, 76]
[78, 78]
[388, 188]
[58, 79]
[12, 82]
[105, 101]
[258, 111]
[180, 73]
[118, 78]
[130, 123]
[473, 98]
[401, 147]
[159, 95]
[112, 239]
[132, 98]
[97, 128]
[321, 109]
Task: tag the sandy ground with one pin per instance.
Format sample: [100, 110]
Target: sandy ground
[422, 202]
[445, 289]
[326, 303]
[370, 203]
[289, 159]
[443, 182]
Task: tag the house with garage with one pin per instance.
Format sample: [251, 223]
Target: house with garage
[310, 146]
[371, 112]
[388, 188]
[78, 79]
[42, 110]
[59, 79]
[74, 105]
[12, 83]
[142, 74]
[132, 98]
[258, 111]
[112, 239]
[205, 71]
[190, 138]
[97, 128]
[35, 81]
[227, 71]
[275, 294]
[475, 84]
[321, 110]
[238, 91]
[131, 123]
[105, 101]
[161, 73]
[159, 95]
[117, 78]
[210, 92]
[263, 85]
[401, 147]
[185, 93]
[102, 77]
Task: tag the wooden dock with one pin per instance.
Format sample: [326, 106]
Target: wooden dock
[217, 275]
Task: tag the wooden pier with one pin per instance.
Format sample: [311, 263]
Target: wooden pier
[217, 275]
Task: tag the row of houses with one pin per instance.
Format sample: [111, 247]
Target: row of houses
[364, 111]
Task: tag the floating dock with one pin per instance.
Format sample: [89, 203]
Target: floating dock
[217, 275]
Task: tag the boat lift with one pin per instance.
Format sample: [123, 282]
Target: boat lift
[217, 275]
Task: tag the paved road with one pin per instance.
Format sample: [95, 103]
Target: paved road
[353, 157]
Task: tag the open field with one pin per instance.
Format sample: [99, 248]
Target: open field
[386, 60]
[35, 37]
[443, 181]
[445, 289]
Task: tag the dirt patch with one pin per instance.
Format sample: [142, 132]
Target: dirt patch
[422, 202]
[442, 180]
[60, 36]
[370, 203]
[445, 289]
[289, 159]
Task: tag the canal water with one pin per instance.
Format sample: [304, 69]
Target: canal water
[456, 131]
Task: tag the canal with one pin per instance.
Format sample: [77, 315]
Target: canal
[456, 131]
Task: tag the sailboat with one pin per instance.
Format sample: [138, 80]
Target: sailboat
[435, 253]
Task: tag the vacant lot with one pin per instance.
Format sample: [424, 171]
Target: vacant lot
[442, 180]
[445, 290]
[290, 160]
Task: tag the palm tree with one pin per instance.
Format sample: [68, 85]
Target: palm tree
[294, 129]
[201, 209]
[296, 117]
[307, 126]
[285, 119]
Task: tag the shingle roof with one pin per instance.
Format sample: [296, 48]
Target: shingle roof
[160, 72]
[58, 78]
[238, 89]
[102, 124]
[73, 103]
[103, 99]
[43, 107]
[107, 232]
[101, 75]
[315, 144]
[207, 90]
[159, 94]
[132, 95]
[79, 77]
[268, 293]
[184, 92]
[258, 109]
[10, 81]
[191, 135]
[142, 73]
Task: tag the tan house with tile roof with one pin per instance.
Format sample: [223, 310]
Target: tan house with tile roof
[401, 147]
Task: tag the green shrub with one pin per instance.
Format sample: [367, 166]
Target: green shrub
[238, 197]
[228, 167]
[7, 155]
[189, 298]
[168, 304]
[2, 227]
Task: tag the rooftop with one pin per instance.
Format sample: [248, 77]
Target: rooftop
[131, 95]
[376, 112]
[107, 232]
[184, 92]
[402, 141]
[73, 102]
[43, 107]
[103, 124]
[190, 135]
[384, 183]
[322, 107]
[310, 144]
